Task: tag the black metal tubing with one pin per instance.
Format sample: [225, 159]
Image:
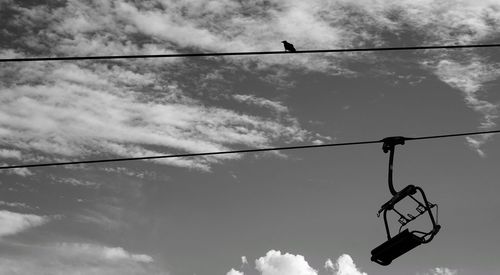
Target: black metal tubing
[435, 227]
[391, 163]
[387, 230]
[428, 207]
[389, 146]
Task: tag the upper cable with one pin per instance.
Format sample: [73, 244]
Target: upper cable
[143, 56]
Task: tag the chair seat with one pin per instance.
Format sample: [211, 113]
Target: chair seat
[398, 245]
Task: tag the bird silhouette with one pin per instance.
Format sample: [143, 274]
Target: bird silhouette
[288, 47]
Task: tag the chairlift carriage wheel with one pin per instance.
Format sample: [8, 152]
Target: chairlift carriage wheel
[405, 240]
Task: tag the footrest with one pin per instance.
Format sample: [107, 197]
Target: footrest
[405, 241]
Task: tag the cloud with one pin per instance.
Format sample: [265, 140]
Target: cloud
[446, 21]
[469, 77]
[329, 265]
[275, 263]
[78, 258]
[137, 123]
[23, 172]
[74, 182]
[440, 271]
[12, 223]
[84, 109]
[15, 204]
[344, 266]
[94, 27]
[76, 112]
[244, 260]
[167, 26]
[275, 106]
[107, 221]
[108, 214]
[100, 252]
[14, 154]
[235, 272]
[128, 172]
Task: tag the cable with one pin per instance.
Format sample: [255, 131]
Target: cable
[454, 135]
[236, 151]
[191, 154]
[67, 58]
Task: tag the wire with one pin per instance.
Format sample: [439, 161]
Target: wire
[67, 58]
[236, 151]
[191, 154]
[455, 135]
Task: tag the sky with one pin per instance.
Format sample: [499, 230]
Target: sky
[300, 212]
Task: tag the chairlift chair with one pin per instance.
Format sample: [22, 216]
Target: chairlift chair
[405, 240]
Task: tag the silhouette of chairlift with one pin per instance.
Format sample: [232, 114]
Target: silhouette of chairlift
[405, 240]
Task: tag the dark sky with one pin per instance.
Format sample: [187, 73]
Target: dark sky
[303, 212]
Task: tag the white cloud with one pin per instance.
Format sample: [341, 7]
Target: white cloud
[440, 271]
[14, 154]
[23, 172]
[448, 21]
[244, 260]
[79, 111]
[329, 265]
[469, 77]
[12, 223]
[162, 26]
[101, 28]
[275, 263]
[128, 172]
[317, 142]
[75, 182]
[235, 272]
[78, 258]
[275, 106]
[15, 204]
[101, 252]
[167, 25]
[344, 266]
[106, 215]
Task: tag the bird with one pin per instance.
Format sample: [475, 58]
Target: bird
[288, 47]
